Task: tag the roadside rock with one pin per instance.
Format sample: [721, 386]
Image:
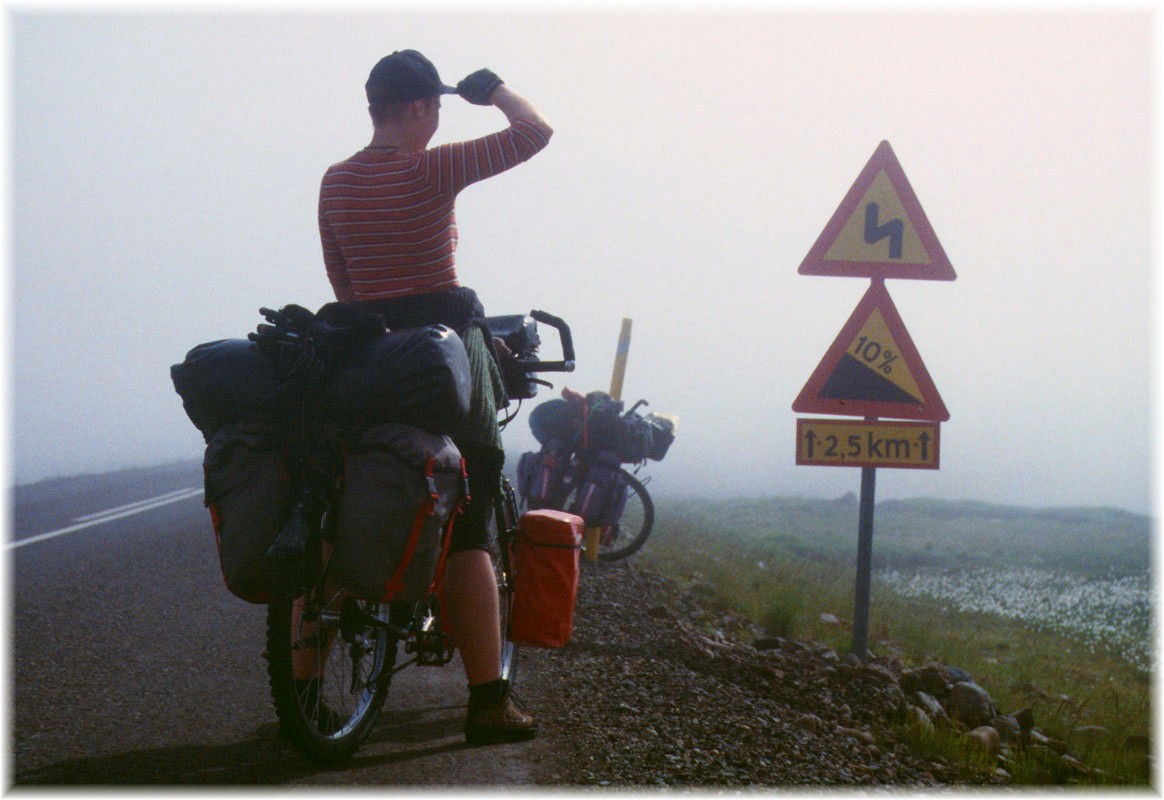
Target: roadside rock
[658, 688]
[934, 679]
[970, 704]
[987, 738]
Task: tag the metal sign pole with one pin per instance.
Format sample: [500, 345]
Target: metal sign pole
[864, 563]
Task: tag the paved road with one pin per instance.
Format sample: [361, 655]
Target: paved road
[132, 664]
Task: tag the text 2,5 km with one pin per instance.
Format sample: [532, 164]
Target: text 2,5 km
[867, 443]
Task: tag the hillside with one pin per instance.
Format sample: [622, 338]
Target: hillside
[924, 533]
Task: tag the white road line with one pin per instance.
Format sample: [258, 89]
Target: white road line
[110, 511]
[109, 515]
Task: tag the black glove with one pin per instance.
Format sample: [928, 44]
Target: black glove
[477, 87]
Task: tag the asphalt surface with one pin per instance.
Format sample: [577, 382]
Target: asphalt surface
[131, 664]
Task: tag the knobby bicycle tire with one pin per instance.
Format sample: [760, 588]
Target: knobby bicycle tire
[326, 720]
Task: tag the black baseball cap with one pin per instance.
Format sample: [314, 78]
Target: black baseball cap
[405, 75]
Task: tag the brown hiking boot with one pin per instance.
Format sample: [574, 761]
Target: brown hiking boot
[497, 721]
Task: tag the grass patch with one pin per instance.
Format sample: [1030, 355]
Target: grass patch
[784, 563]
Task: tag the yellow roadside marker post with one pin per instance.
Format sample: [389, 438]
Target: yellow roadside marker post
[620, 360]
[591, 534]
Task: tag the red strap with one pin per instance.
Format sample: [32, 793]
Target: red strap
[427, 508]
[396, 582]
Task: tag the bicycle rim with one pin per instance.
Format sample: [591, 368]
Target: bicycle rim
[328, 716]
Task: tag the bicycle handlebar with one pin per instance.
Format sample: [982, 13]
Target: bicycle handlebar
[635, 408]
[567, 362]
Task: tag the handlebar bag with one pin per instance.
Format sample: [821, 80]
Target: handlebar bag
[402, 488]
[226, 381]
[662, 435]
[520, 334]
[628, 437]
[545, 585]
[413, 376]
[249, 494]
[608, 429]
[518, 331]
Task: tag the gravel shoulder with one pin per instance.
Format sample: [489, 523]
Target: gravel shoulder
[655, 689]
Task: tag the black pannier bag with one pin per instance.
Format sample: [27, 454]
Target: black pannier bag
[556, 420]
[541, 476]
[229, 380]
[403, 487]
[599, 501]
[249, 494]
[412, 376]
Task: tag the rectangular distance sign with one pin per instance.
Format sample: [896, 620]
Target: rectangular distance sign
[867, 443]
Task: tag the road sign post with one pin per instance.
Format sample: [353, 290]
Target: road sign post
[873, 370]
[864, 564]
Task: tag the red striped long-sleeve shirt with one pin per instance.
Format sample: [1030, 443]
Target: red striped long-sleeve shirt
[386, 217]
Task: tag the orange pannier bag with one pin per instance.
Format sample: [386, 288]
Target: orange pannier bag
[545, 578]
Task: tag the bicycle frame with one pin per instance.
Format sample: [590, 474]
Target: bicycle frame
[423, 635]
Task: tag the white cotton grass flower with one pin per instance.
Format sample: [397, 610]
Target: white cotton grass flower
[1109, 614]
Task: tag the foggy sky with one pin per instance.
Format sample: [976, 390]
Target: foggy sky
[165, 170]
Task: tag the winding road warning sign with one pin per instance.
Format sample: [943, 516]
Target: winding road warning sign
[873, 369]
[879, 230]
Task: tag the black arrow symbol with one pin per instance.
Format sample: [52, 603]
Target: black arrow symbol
[894, 230]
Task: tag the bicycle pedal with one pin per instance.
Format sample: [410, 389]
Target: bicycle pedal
[432, 649]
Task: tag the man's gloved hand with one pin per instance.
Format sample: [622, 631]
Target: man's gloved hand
[477, 87]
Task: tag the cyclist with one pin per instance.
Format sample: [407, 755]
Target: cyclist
[389, 235]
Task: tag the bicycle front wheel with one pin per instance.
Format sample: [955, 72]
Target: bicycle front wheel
[329, 662]
[630, 531]
[501, 549]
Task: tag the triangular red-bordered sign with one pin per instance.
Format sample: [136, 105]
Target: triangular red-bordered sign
[879, 230]
[873, 369]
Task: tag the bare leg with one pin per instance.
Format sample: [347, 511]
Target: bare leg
[471, 594]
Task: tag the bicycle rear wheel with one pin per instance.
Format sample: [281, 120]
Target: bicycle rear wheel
[343, 644]
[630, 531]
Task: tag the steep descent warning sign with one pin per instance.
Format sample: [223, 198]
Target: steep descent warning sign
[872, 369]
[879, 230]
